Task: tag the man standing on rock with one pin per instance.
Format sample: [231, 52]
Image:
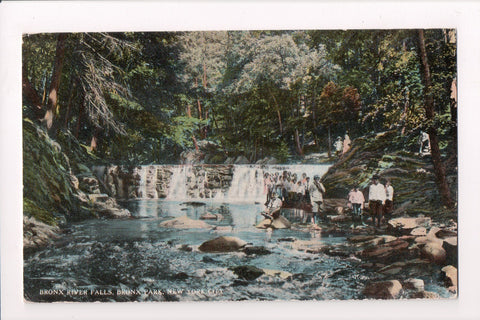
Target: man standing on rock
[376, 198]
[316, 190]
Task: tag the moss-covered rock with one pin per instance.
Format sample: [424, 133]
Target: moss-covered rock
[48, 183]
[52, 193]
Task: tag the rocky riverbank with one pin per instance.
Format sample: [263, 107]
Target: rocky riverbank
[58, 188]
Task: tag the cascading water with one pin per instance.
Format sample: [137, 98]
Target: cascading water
[177, 189]
[222, 183]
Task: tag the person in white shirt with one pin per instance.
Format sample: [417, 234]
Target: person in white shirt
[376, 199]
[316, 191]
[388, 207]
[356, 199]
[272, 211]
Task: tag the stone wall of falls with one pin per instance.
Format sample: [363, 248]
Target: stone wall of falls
[232, 183]
[174, 182]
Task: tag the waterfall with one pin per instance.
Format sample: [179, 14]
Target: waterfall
[142, 187]
[177, 189]
[247, 184]
[248, 180]
[222, 183]
[147, 187]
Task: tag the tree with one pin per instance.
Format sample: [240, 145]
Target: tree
[439, 168]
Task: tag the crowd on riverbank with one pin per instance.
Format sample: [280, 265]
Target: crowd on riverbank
[287, 190]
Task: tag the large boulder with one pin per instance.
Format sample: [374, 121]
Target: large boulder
[406, 225]
[281, 223]
[247, 272]
[37, 234]
[278, 223]
[383, 290]
[450, 247]
[185, 222]
[257, 250]
[450, 275]
[385, 252]
[223, 244]
[434, 252]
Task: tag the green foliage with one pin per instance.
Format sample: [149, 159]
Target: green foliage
[145, 97]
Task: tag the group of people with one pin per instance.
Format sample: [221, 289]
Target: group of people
[286, 190]
[380, 201]
[342, 145]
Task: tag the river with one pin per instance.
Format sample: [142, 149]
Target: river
[137, 260]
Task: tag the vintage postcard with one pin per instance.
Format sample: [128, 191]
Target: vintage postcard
[251, 163]
[240, 165]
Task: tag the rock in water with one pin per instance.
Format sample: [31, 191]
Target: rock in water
[222, 244]
[281, 223]
[208, 216]
[277, 273]
[278, 223]
[450, 274]
[416, 285]
[185, 222]
[434, 252]
[258, 250]
[247, 272]
[383, 290]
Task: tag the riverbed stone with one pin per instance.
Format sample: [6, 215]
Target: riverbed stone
[257, 250]
[450, 274]
[185, 222]
[247, 272]
[223, 244]
[387, 251]
[279, 223]
[383, 290]
[208, 216]
[445, 233]
[223, 229]
[434, 252]
[416, 285]
[37, 234]
[420, 231]
[340, 218]
[451, 249]
[361, 238]
[277, 273]
[406, 225]
[425, 295]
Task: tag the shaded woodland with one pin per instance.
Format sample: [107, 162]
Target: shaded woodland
[140, 98]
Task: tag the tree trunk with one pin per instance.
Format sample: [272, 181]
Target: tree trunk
[32, 95]
[299, 146]
[55, 82]
[438, 166]
[79, 117]
[277, 108]
[329, 143]
[189, 114]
